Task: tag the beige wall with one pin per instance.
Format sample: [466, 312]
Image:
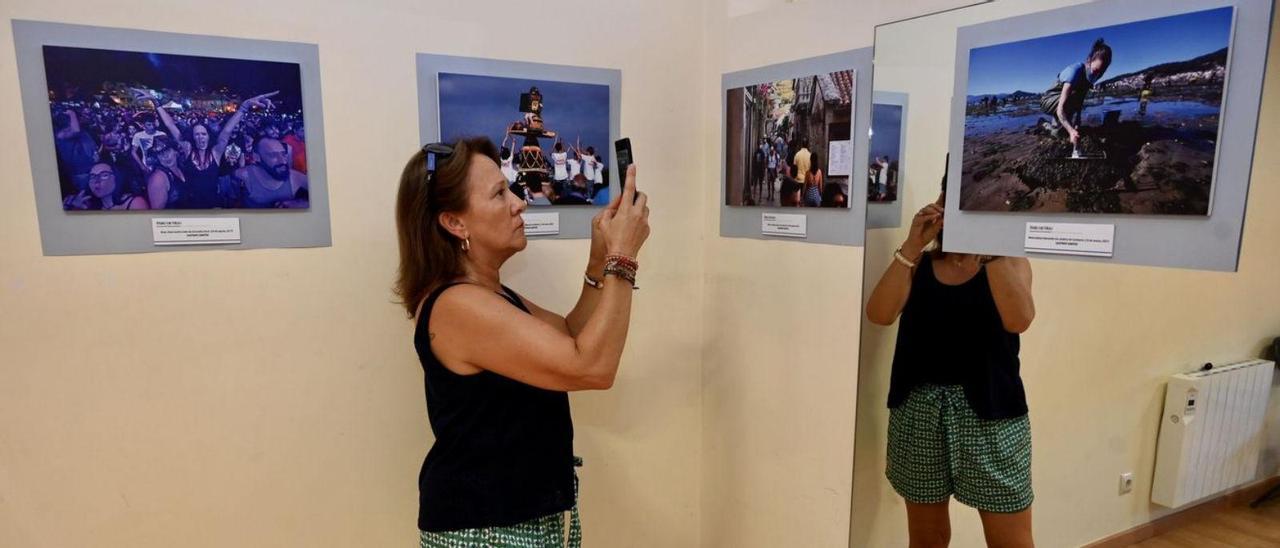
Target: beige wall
[271, 398]
[1105, 340]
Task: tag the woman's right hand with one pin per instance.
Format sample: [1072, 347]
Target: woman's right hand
[925, 227]
[626, 229]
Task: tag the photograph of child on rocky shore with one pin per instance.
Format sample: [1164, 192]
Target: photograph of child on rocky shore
[1115, 119]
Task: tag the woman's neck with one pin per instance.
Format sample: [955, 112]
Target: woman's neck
[483, 273]
[958, 259]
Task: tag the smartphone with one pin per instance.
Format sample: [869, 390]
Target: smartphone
[624, 159]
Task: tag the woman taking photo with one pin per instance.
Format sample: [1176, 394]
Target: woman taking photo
[958, 414]
[498, 367]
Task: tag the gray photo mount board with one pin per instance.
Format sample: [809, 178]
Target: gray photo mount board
[824, 225]
[1209, 242]
[95, 233]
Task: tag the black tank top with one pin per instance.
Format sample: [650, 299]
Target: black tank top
[953, 335]
[201, 185]
[504, 449]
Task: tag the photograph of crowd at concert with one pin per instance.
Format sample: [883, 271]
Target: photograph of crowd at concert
[137, 130]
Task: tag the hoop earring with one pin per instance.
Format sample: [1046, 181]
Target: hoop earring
[466, 244]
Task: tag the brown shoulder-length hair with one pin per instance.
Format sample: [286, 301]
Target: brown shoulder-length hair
[429, 254]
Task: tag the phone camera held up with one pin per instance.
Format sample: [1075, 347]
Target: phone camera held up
[622, 151]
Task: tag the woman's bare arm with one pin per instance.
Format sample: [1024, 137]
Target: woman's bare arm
[1010, 279]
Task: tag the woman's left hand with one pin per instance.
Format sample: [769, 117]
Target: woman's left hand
[595, 264]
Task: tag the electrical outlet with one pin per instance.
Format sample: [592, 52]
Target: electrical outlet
[1126, 482]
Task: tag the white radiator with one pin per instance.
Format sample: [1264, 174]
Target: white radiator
[1211, 432]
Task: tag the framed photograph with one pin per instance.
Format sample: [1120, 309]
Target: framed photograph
[1133, 120]
[1121, 119]
[885, 150]
[139, 130]
[553, 136]
[131, 130]
[557, 124]
[886, 159]
[771, 113]
[781, 135]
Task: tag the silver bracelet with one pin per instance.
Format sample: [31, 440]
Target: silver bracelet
[902, 259]
[599, 284]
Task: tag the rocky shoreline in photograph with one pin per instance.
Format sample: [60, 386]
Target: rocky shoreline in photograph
[1151, 169]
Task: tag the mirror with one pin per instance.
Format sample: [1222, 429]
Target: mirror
[1103, 346]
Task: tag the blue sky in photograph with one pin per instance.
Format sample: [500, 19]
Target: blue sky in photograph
[486, 105]
[886, 131]
[1033, 65]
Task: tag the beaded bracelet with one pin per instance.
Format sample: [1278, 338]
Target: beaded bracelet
[622, 266]
[629, 262]
[621, 273]
[599, 284]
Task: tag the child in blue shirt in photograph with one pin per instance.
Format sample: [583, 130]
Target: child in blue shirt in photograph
[1065, 100]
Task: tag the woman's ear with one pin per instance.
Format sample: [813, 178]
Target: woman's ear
[453, 224]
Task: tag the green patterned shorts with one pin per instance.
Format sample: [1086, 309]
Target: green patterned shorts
[938, 447]
[544, 532]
